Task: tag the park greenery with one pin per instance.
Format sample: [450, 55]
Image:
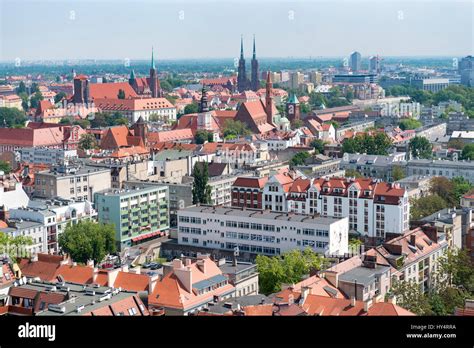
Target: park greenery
[203, 136]
[420, 147]
[299, 159]
[88, 240]
[87, 142]
[288, 268]
[318, 145]
[234, 129]
[108, 120]
[14, 247]
[377, 144]
[409, 123]
[12, 118]
[5, 167]
[444, 193]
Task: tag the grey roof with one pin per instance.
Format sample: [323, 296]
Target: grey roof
[21, 225]
[77, 297]
[229, 268]
[375, 160]
[206, 283]
[363, 275]
[260, 214]
[222, 307]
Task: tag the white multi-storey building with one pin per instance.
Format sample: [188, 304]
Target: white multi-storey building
[374, 208]
[261, 232]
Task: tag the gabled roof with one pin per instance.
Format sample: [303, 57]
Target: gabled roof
[172, 135]
[111, 90]
[250, 182]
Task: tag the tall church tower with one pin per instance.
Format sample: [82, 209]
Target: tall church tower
[269, 98]
[255, 81]
[293, 108]
[154, 82]
[242, 81]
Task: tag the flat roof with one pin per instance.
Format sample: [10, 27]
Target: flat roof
[260, 214]
[363, 275]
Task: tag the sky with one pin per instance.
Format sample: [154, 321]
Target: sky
[127, 29]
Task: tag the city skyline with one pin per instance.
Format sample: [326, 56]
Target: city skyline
[202, 30]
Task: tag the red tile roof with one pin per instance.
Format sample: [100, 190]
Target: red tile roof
[111, 90]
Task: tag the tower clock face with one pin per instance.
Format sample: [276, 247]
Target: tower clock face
[291, 109]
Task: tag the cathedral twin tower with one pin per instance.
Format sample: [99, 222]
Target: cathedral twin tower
[243, 83]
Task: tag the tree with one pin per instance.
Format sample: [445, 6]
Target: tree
[398, 173]
[352, 173]
[201, 189]
[14, 246]
[65, 121]
[443, 187]
[191, 108]
[290, 267]
[409, 123]
[202, 136]
[12, 117]
[318, 145]
[420, 147]
[21, 88]
[377, 144]
[121, 94]
[58, 97]
[295, 124]
[457, 269]
[88, 240]
[5, 167]
[461, 186]
[84, 123]
[425, 206]
[299, 159]
[235, 129]
[457, 144]
[468, 152]
[87, 142]
[410, 297]
[35, 99]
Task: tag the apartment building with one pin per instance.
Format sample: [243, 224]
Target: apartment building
[375, 209]
[251, 231]
[411, 257]
[35, 230]
[374, 166]
[449, 169]
[41, 155]
[54, 216]
[72, 182]
[189, 285]
[139, 213]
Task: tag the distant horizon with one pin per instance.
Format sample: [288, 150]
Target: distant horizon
[52, 30]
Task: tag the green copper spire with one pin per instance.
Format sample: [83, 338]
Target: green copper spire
[293, 99]
[132, 75]
[152, 59]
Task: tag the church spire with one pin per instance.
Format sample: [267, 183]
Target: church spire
[241, 47]
[254, 51]
[132, 75]
[152, 59]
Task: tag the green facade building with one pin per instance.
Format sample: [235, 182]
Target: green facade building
[139, 213]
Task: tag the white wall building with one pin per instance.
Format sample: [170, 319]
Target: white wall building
[261, 232]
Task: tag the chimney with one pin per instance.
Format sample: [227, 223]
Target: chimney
[125, 268]
[392, 300]
[90, 263]
[151, 283]
[202, 265]
[177, 264]
[304, 293]
[431, 232]
[187, 262]
[112, 276]
[367, 305]
[185, 276]
[353, 301]
[291, 299]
